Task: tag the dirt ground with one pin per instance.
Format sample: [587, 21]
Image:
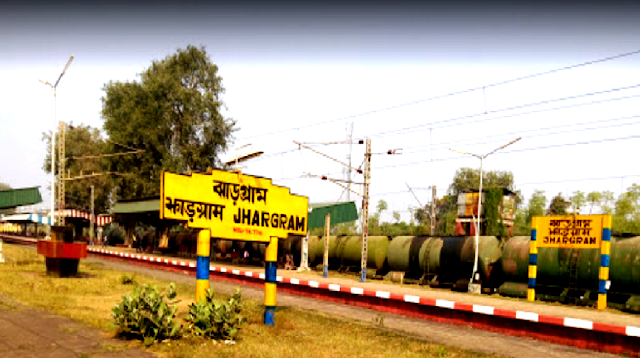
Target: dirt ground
[450, 335]
[28, 332]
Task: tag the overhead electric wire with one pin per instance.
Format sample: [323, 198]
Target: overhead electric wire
[582, 179]
[510, 151]
[383, 134]
[531, 136]
[527, 105]
[431, 146]
[587, 63]
[446, 144]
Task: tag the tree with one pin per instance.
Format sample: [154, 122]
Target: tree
[382, 206]
[627, 211]
[558, 205]
[468, 178]
[173, 113]
[81, 141]
[396, 216]
[594, 198]
[605, 203]
[535, 207]
[578, 200]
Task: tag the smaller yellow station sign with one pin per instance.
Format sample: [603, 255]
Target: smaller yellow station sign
[569, 231]
[233, 206]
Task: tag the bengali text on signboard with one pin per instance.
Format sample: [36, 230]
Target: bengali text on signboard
[233, 206]
[569, 231]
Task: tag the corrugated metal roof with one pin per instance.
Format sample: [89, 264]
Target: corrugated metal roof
[19, 197]
[340, 213]
[138, 206]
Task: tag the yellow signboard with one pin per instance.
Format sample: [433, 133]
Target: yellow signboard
[569, 231]
[233, 205]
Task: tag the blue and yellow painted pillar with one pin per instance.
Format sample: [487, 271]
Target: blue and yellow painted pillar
[270, 274]
[533, 261]
[202, 264]
[605, 251]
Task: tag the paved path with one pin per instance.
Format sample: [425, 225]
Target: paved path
[31, 333]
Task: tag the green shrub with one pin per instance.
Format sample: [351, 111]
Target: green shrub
[216, 319]
[144, 314]
[127, 280]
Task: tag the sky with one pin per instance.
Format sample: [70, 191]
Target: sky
[308, 72]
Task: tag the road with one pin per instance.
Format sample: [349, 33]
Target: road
[446, 334]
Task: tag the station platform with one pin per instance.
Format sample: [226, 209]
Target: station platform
[608, 330]
[531, 311]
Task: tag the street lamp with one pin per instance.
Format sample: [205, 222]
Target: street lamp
[53, 138]
[250, 155]
[477, 237]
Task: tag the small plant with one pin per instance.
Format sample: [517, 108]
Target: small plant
[442, 352]
[216, 319]
[144, 314]
[127, 280]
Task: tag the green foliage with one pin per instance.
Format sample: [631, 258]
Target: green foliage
[558, 205]
[215, 319]
[145, 314]
[491, 210]
[627, 211]
[578, 200]
[606, 201]
[594, 198]
[536, 206]
[83, 140]
[446, 214]
[115, 235]
[127, 279]
[469, 178]
[174, 114]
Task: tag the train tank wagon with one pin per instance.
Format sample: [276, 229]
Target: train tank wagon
[447, 261]
[345, 252]
[418, 257]
[571, 275]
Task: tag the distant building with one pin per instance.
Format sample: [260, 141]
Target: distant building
[468, 212]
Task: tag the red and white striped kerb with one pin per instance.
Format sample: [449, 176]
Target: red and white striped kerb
[479, 309]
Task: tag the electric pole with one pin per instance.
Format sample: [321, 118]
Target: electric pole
[433, 210]
[61, 170]
[365, 209]
[92, 218]
[348, 169]
[365, 194]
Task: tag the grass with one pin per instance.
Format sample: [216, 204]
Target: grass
[300, 333]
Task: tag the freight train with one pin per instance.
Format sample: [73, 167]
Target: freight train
[564, 274]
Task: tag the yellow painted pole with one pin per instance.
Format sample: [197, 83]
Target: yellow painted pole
[533, 261]
[270, 276]
[325, 260]
[605, 251]
[202, 264]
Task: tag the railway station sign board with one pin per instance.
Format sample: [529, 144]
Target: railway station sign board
[233, 206]
[569, 231]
